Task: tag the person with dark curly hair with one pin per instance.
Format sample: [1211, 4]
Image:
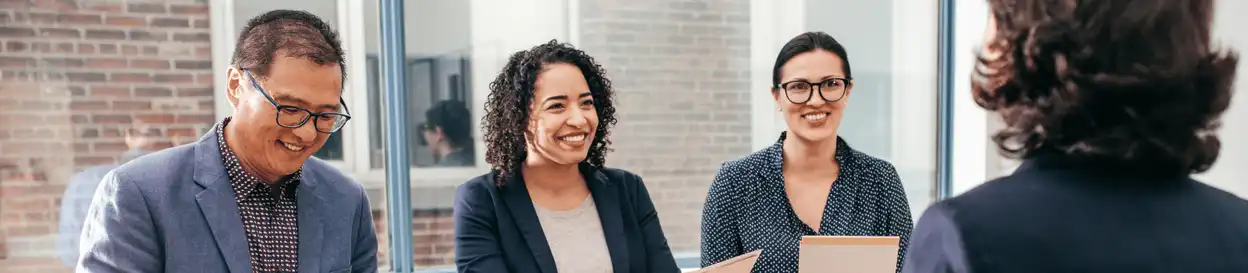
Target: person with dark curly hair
[810, 182]
[447, 132]
[550, 204]
[1111, 105]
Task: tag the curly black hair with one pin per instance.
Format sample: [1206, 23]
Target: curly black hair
[508, 107]
[1118, 84]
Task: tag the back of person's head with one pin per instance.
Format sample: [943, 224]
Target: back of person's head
[1112, 83]
[297, 33]
[454, 119]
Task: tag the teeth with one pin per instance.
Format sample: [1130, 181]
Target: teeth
[575, 138]
[817, 116]
[293, 147]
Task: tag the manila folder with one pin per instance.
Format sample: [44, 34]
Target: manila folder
[738, 264]
[848, 254]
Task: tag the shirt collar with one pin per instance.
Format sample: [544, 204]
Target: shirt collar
[245, 183]
[775, 156]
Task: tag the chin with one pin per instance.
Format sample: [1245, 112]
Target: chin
[812, 135]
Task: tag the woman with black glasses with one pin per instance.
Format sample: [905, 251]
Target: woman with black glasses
[810, 182]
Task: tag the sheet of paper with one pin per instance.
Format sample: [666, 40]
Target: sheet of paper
[848, 254]
[738, 264]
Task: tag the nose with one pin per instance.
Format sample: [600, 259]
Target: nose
[816, 99]
[306, 133]
[577, 119]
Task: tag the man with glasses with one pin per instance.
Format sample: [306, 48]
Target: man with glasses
[248, 196]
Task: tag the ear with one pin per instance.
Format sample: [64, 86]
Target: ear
[775, 95]
[849, 88]
[233, 86]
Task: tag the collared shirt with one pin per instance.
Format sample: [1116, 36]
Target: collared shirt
[269, 214]
[747, 208]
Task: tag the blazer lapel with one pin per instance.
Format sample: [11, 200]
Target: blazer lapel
[525, 217]
[218, 205]
[607, 199]
[311, 229]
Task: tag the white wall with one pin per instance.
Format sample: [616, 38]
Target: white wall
[970, 126]
[432, 27]
[1231, 169]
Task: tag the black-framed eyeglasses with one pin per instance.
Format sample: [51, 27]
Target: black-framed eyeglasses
[290, 116]
[801, 91]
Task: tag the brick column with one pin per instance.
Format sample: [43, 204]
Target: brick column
[73, 75]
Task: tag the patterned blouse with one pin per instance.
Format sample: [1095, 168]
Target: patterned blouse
[268, 212]
[747, 208]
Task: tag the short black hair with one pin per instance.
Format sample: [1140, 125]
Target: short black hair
[1125, 85]
[511, 95]
[807, 42]
[454, 119]
[299, 33]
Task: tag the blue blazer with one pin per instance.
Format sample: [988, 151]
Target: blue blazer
[174, 211]
[497, 229]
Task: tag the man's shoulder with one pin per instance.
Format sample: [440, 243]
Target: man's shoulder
[158, 167]
[332, 179]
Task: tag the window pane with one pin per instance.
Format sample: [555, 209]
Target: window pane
[892, 107]
[441, 126]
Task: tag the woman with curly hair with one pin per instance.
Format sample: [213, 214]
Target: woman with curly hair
[1112, 105]
[550, 204]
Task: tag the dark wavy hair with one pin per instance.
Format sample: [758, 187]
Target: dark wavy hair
[1120, 84]
[508, 107]
[299, 33]
[807, 42]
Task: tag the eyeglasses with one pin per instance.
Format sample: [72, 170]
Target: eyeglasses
[289, 116]
[800, 91]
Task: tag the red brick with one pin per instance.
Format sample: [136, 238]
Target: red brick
[174, 78]
[198, 9]
[101, 34]
[110, 91]
[108, 48]
[184, 119]
[109, 147]
[51, 62]
[88, 105]
[170, 22]
[128, 21]
[60, 33]
[144, 35]
[192, 37]
[86, 49]
[17, 32]
[146, 8]
[129, 105]
[92, 160]
[14, 4]
[207, 105]
[85, 76]
[16, 62]
[184, 64]
[204, 78]
[204, 52]
[88, 133]
[56, 4]
[129, 50]
[111, 119]
[66, 47]
[40, 18]
[16, 46]
[194, 92]
[150, 50]
[106, 63]
[182, 132]
[109, 8]
[155, 118]
[150, 64]
[152, 92]
[79, 19]
[201, 23]
[131, 78]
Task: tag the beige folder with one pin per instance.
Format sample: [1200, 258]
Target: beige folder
[738, 264]
[848, 254]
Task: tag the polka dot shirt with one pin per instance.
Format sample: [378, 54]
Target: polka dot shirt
[268, 212]
[747, 208]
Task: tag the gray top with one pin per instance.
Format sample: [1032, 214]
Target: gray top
[576, 239]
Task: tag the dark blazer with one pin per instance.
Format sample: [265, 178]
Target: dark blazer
[174, 211]
[497, 229]
[1052, 216]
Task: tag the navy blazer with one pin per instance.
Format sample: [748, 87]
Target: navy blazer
[174, 211]
[1055, 216]
[497, 229]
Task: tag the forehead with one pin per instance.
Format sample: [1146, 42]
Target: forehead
[559, 79]
[813, 65]
[305, 80]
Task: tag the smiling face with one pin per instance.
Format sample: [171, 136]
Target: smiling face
[563, 120]
[816, 119]
[262, 144]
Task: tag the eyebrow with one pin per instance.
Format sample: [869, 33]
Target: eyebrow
[565, 97]
[285, 97]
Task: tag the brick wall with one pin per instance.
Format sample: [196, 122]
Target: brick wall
[681, 69]
[73, 74]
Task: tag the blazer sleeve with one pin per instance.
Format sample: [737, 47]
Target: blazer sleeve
[899, 222]
[937, 244]
[477, 247]
[660, 254]
[720, 240]
[119, 234]
[364, 258]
